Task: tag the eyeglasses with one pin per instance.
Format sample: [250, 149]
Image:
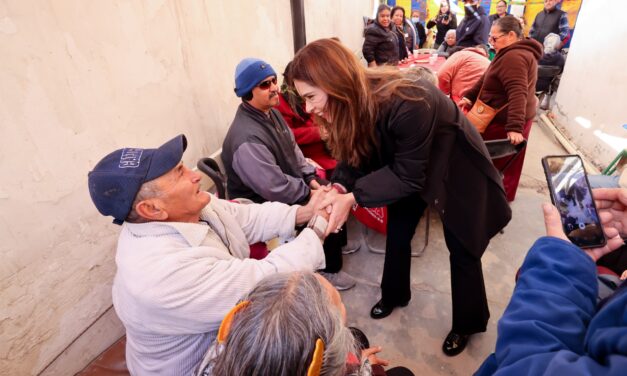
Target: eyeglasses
[493, 39]
[265, 85]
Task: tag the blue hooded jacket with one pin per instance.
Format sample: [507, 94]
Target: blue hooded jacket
[552, 325]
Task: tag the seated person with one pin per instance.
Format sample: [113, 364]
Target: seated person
[553, 325]
[183, 256]
[292, 324]
[262, 160]
[448, 44]
[462, 70]
[551, 57]
[306, 133]
[423, 73]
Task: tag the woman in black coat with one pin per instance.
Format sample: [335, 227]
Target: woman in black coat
[445, 21]
[381, 42]
[403, 144]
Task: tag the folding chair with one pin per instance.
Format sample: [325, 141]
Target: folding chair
[503, 148]
[497, 149]
[211, 168]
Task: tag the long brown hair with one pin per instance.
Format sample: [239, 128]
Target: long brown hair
[355, 95]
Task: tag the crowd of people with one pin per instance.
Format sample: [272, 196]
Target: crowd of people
[300, 157]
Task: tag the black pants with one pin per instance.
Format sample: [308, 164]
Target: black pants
[333, 250]
[470, 305]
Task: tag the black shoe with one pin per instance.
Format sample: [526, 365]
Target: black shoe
[381, 310]
[455, 343]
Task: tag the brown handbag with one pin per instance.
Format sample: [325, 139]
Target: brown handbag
[481, 115]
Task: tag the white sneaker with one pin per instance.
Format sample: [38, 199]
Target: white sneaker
[375, 241]
[340, 280]
[352, 246]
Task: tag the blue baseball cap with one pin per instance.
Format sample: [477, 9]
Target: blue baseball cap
[116, 179]
[249, 73]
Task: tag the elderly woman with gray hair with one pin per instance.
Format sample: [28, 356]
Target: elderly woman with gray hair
[292, 324]
[551, 57]
[448, 44]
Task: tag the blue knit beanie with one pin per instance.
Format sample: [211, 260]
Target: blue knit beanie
[249, 73]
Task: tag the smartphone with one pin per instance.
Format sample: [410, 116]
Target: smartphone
[571, 194]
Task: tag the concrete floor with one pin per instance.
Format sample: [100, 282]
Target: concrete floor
[412, 336]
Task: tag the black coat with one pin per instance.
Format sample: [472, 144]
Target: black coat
[441, 26]
[429, 148]
[422, 34]
[380, 45]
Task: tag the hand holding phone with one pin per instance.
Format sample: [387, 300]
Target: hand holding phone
[571, 194]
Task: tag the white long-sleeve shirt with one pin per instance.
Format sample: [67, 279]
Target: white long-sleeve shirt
[176, 281]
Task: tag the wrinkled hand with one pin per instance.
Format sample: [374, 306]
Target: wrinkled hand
[464, 103]
[371, 352]
[554, 228]
[338, 206]
[515, 138]
[305, 212]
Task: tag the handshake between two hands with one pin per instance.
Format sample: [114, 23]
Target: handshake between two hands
[328, 209]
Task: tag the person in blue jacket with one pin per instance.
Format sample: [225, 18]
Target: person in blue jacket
[553, 325]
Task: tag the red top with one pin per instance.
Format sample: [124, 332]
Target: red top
[307, 136]
[461, 71]
[424, 61]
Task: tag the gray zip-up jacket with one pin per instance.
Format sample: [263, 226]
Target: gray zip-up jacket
[262, 160]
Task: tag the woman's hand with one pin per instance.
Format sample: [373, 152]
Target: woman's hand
[515, 137]
[305, 212]
[371, 352]
[464, 103]
[338, 206]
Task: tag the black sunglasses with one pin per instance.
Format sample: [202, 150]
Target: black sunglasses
[265, 85]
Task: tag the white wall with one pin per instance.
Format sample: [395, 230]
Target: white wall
[79, 79]
[342, 19]
[591, 100]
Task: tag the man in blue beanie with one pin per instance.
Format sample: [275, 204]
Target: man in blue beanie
[183, 257]
[263, 162]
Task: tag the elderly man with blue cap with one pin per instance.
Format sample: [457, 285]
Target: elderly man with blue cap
[183, 258]
[263, 161]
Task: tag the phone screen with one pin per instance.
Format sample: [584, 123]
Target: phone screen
[571, 194]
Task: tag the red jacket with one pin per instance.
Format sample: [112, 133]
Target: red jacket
[307, 136]
[461, 71]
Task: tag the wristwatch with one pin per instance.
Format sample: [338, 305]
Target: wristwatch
[318, 224]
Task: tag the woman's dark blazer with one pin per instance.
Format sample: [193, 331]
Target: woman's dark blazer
[429, 148]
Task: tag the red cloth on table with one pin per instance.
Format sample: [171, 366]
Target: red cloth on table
[511, 176]
[374, 218]
[307, 135]
[423, 60]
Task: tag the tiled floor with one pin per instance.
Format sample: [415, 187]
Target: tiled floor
[412, 336]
